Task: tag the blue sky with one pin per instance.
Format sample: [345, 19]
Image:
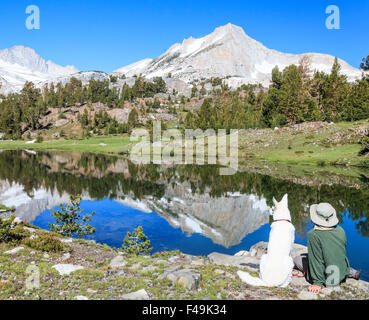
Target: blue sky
[106, 35]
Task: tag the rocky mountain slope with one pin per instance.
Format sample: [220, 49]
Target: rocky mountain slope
[227, 52]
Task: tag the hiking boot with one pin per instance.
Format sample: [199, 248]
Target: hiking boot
[354, 274]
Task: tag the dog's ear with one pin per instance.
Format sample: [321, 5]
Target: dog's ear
[285, 200]
[275, 202]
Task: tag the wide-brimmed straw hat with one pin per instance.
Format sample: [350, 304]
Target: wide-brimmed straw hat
[324, 215]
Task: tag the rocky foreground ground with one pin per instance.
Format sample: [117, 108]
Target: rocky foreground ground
[83, 270]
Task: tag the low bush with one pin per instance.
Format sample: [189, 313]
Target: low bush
[364, 163]
[46, 242]
[10, 232]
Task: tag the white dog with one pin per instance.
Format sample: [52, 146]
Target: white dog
[276, 266]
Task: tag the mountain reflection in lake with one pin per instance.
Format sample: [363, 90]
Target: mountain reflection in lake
[190, 208]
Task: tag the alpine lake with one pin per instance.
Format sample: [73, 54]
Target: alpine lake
[190, 208]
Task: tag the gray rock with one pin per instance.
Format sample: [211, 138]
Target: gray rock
[14, 251]
[258, 249]
[91, 291]
[228, 260]
[219, 271]
[61, 122]
[363, 285]
[117, 263]
[173, 259]
[198, 262]
[161, 261]
[66, 269]
[149, 268]
[168, 271]
[66, 256]
[135, 267]
[298, 250]
[30, 230]
[138, 295]
[299, 281]
[81, 298]
[306, 295]
[360, 284]
[188, 278]
[328, 290]
[121, 273]
[68, 240]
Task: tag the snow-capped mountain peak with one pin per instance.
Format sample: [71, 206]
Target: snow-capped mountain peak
[20, 64]
[228, 52]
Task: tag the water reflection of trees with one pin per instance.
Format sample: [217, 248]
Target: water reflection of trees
[33, 172]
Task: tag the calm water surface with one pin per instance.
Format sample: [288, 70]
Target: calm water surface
[190, 208]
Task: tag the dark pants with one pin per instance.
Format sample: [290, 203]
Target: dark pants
[302, 264]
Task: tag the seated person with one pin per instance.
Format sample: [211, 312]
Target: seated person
[326, 263]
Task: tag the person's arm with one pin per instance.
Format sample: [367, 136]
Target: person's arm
[316, 261]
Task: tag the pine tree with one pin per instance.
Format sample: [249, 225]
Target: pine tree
[358, 106]
[365, 64]
[335, 92]
[276, 78]
[133, 118]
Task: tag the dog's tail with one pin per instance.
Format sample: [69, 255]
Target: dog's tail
[252, 281]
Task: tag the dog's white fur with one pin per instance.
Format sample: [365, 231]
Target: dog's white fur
[276, 266]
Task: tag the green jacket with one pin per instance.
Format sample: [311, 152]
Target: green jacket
[326, 253]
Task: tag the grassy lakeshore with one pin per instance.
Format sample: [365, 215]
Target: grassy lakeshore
[308, 144]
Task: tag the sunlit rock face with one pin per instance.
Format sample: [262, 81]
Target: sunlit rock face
[226, 220]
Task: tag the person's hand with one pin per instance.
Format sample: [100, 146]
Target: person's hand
[315, 289]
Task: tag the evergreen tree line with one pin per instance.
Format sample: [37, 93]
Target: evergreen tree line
[22, 111]
[295, 95]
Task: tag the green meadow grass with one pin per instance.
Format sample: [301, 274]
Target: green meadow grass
[113, 145]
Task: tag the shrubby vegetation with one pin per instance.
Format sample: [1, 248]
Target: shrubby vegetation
[365, 143]
[102, 123]
[9, 231]
[46, 241]
[69, 221]
[136, 243]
